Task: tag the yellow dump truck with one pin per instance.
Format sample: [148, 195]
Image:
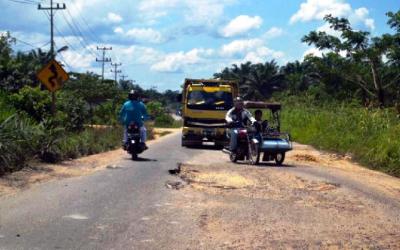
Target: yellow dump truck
[204, 106]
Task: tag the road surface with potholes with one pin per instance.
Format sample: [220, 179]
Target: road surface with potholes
[316, 200]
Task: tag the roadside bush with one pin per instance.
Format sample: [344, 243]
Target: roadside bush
[73, 111]
[6, 110]
[155, 109]
[32, 101]
[370, 136]
[88, 142]
[106, 114]
[164, 120]
[19, 138]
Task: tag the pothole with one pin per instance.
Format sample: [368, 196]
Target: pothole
[174, 185]
[220, 179]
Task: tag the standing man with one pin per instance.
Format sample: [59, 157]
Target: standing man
[239, 116]
[135, 111]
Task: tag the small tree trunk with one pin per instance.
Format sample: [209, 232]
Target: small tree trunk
[377, 84]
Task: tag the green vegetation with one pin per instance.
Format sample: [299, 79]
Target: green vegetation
[162, 118]
[371, 136]
[29, 130]
[346, 101]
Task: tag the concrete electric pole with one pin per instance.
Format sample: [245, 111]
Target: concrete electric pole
[52, 8]
[103, 60]
[116, 71]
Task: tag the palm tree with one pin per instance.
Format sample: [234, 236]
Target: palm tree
[262, 80]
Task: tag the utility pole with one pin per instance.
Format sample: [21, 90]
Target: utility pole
[116, 71]
[123, 77]
[52, 8]
[103, 60]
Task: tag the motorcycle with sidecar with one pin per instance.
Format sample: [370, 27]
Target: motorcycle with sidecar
[264, 141]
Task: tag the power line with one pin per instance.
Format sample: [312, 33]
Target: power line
[73, 23]
[59, 33]
[30, 44]
[81, 41]
[70, 46]
[24, 2]
[91, 35]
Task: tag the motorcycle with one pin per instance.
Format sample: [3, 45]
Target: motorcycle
[246, 148]
[134, 145]
[264, 139]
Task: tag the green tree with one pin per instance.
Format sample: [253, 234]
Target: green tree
[360, 48]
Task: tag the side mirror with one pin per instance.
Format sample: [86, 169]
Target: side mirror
[179, 98]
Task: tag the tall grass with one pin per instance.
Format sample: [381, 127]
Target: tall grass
[370, 136]
[90, 141]
[18, 142]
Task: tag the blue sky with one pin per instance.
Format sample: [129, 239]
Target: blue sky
[161, 42]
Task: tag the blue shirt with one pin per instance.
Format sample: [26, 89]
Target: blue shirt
[133, 111]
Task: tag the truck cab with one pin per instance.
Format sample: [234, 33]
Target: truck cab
[204, 106]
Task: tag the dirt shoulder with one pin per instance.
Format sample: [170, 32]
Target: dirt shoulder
[344, 165]
[41, 172]
[237, 206]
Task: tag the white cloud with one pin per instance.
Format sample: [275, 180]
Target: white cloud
[139, 54]
[205, 12]
[199, 12]
[241, 25]
[314, 51]
[240, 47]
[362, 15]
[261, 55]
[146, 35]
[370, 23]
[319, 53]
[273, 33]
[157, 8]
[317, 10]
[253, 50]
[175, 62]
[77, 60]
[119, 30]
[114, 18]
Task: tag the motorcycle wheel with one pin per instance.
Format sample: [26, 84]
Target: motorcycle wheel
[254, 154]
[279, 158]
[134, 156]
[233, 157]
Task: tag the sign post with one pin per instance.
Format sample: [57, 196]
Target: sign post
[53, 77]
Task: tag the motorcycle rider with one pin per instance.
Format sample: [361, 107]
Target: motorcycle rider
[237, 115]
[135, 111]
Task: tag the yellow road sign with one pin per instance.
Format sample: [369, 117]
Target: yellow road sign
[53, 76]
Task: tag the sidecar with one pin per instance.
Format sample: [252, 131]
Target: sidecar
[268, 143]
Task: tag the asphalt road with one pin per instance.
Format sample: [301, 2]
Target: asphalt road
[106, 210]
[129, 207]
